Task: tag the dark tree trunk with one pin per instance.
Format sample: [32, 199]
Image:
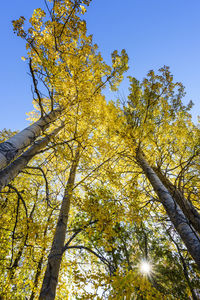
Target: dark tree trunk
[48, 290]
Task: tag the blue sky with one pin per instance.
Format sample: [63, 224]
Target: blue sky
[154, 33]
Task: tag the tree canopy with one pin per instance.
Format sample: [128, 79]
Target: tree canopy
[99, 199]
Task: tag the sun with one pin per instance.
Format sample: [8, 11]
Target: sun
[145, 267]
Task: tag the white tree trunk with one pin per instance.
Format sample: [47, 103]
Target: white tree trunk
[11, 148]
[48, 290]
[188, 235]
[187, 207]
[11, 171]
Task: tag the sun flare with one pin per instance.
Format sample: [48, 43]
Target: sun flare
[145, 267]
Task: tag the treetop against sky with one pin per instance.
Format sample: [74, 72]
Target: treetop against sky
[154, 33]
[93, 192]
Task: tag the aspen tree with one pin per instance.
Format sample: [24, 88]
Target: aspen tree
[157, 121]
[63, 63]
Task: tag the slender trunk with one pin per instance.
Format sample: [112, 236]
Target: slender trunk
[187, 207]
[185, 269]
[48, 290]
[17, 259]
[37, 275]
[11, 148]
[177, 217]
[185, 272]
[9, 173]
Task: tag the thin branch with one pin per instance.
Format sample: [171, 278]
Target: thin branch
[77, 232]
[104, 260]
[35, 87]
[13, 232]
[20, 198]
[45, 179]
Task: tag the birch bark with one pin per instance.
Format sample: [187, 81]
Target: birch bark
[188, 235]
[48, 290]
[11, 148]
[187, 207]
[9, 173]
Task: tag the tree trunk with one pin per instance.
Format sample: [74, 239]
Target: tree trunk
[185, 268]
[177, 217]
[187, 207]
[48, 290]
[11, 148]
[9, 173]
[15, 264]
[37, 275]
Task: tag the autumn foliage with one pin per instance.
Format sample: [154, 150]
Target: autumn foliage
[94, 188]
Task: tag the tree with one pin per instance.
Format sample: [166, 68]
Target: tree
[97, 183]
[65, 67]
[83, 153]
[154, 110]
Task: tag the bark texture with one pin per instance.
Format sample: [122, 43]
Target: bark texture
[48, 290]
[9, 173]
[187, 207]
[10, 149]
[188, 235]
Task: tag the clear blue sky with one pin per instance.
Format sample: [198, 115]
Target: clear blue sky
[154, 33]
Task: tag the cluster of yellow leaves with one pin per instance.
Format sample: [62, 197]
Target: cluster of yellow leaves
[133, 284]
